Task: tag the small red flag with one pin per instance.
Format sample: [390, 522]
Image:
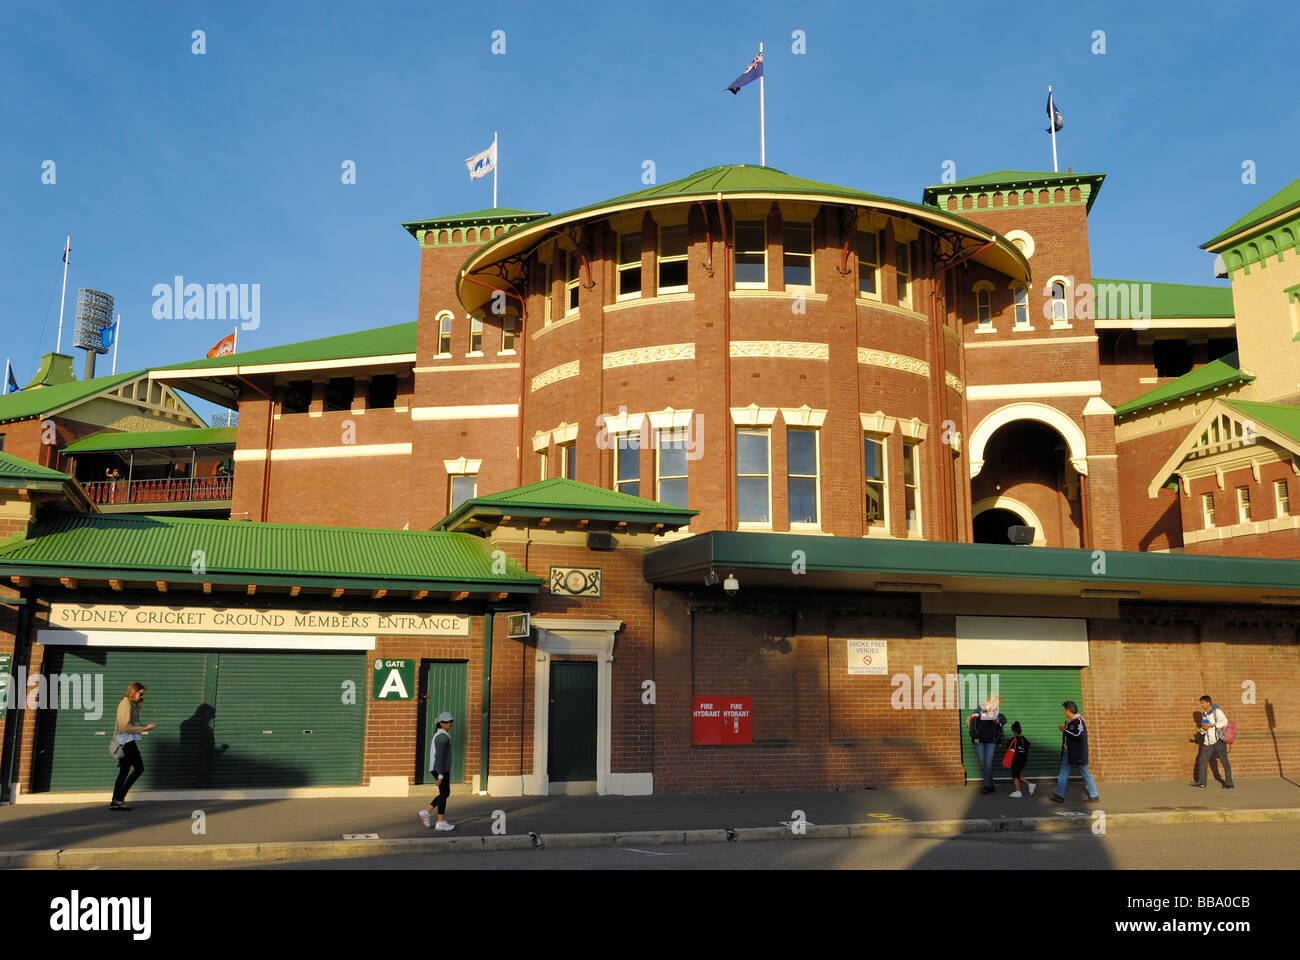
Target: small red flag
[224, 346]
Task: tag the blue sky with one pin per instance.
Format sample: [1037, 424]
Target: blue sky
[226, 167]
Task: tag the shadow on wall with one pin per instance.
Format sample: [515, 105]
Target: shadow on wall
[1272, 732]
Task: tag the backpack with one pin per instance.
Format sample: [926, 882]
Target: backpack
[1229, 732]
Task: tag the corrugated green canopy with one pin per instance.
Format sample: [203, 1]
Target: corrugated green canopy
[1283, 200]
[152, 439]
[1170, 300]
[568, 499]
[1211, 377]
[1283, 417]
[379, 342]
[148, 548]
[16, 468]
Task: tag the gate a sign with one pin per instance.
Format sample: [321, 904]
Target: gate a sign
[394, 680]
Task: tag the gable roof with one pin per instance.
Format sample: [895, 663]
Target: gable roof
[1212, 377]
[1280, 202]
[25, 404]
[561, 498]
[1168, 300]
[161, 548]
[1282, 417]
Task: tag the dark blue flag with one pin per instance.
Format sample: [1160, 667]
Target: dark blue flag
[109, 332]
[12, 385]
[752, 73]
[1053, 115]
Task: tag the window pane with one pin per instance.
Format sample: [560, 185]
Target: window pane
[671, 274]
[573, 298]
[672, 460]
[909, 463]
[673, 492]
[874, 459]
[903, 258]
[567, 452]
[750, 268]
[803, 500]
[338, 393]
[751, 452]
[382, 391]
[875, 504]
[801, 452]
[462, 489]
[752, 495]
[797, 271]
[629, 461]
[751, 236]
[672, 241]
[629, 280]
[629, 248]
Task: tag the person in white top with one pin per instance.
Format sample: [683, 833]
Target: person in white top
[1211, 726]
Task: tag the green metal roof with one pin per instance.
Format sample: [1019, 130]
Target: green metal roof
[152, 439]
[560, 497]
[15, 468]
[56, 368]
[380, 342]
[474, 217]
[1208, 378]
[1282, 417]
[1015, 178]
[152, 547]
[1283, 200]
[26, 404]
[1171, 300]
[856, 563]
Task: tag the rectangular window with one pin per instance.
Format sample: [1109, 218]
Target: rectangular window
[627, 464]
[1207, 509]
[508, 333]
[1020, 296]
[868, 265]
[903, 267]
[476, 335]
[382, 392]
[572, 272]
[629, 266]
[339, 392]
[2, 442]
[543, 458]
[912, 487]
[297, 397]
[568, 456]
[1243, 505]
[545, 278]
[1280, 493]
[672, 259]
[444, 336]
[670, 475]
[463, 488]
[797, 260]
[801, 475]
[874, 472]
[752, 475]
[983, 310]
[751, 255]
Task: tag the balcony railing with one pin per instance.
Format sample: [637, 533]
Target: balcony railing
[176, 489]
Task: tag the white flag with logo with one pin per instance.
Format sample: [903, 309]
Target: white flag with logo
[481, 164]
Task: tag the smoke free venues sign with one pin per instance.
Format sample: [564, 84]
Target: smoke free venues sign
[868, 658]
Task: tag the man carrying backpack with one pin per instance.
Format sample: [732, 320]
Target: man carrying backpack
[1213, 723]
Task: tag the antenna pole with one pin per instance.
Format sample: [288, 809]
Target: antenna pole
[67, 247]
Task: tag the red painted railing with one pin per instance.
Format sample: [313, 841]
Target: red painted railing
[177, 489]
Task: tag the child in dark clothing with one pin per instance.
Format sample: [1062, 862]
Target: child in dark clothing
[1020, 756]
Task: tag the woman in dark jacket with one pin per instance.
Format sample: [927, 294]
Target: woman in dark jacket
[986, 733]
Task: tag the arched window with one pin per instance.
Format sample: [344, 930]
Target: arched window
[1057, 292]
[983, 311]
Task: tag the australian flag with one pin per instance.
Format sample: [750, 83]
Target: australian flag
[752, 73]
[1053, 115]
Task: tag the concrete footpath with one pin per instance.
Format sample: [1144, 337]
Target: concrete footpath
[161, 832]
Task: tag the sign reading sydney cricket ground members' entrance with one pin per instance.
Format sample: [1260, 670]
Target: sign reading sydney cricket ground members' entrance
[868, 658]
[115, 616]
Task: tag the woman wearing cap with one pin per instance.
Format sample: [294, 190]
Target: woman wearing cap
[440, 767]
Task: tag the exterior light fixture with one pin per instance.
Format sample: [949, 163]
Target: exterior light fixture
[731, 585]
[711, 578]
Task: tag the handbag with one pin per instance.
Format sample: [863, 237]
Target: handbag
[116, 749]
[1011, 752]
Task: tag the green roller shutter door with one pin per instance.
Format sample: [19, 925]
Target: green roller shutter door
[1032, 695]
[444, 684]
[282, 719]
[72, 751]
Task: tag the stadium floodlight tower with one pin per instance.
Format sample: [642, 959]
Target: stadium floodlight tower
[94, 316]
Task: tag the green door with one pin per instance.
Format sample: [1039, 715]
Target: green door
[286, 719]
[1032, 695]
[571, 743]
[443, 684]
[72, 750]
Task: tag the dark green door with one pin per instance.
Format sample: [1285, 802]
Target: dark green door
[443, 684]
[72, 750]
[283, 720]
[1032, 695]
[571, 744]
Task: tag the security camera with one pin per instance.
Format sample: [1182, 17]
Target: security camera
[731, 585]
[711, 579]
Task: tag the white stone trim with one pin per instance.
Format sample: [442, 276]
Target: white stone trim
[476, 411]
[1097, 407]
[782, 349]
[1024, 237]
[877, 423]
[565, 433]
[1015, 391]
[655, 354]
[804, 416]
[913, 429]
[893, 361]
[621, 422]
[462, 467]
[668, 418]
[753, 416]
[1067, 428]
[562, 372]
[559, 635]
[326, 453]
[1030, 341]
[541, 441]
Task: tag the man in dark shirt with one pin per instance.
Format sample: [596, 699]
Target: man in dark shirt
[1074, 753]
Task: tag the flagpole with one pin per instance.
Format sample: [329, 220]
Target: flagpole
[496, 162]
[1052, 123]
[117, 335]
[67, 248]
[234, 347]
[8, 367]
[762, 117]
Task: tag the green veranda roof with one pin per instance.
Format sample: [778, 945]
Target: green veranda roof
[148, 548]
[17, 469]
[563, 498]
[1167, 301]
[397, 339]
[153, 439]
[1280, 202]
[1208, 378]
